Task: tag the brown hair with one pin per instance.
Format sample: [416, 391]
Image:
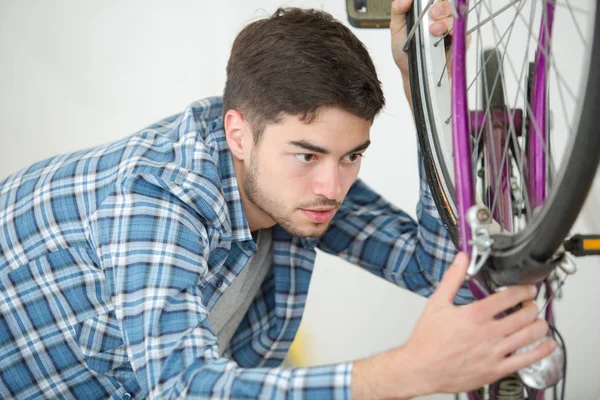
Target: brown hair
[296, 62]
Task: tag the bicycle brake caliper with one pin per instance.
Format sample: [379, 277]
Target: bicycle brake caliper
[480, 221]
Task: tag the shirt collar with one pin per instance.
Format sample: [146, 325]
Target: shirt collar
[240, 231]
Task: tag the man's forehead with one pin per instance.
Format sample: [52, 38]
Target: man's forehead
[334, 130]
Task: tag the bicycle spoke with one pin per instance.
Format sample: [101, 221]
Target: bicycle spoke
[511, 130]
[500, 167]
[479, 50]
[412, 32]
[528, 106]
[562, 86]
[520, 152]
[572, 8]
[533, 36]
[452, 29]
[551, 59]
[473, 81]
[575, 23]
[491, 17]
[439, 82]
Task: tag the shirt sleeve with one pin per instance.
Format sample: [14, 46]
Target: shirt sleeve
[376, 235]
[154, 240]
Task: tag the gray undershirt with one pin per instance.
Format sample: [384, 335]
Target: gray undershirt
[231, 307]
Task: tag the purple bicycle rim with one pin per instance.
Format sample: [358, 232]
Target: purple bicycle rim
[473, 396]
[537, 136]
[461, 143]
[465, 193]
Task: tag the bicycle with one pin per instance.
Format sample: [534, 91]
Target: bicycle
[492, 170]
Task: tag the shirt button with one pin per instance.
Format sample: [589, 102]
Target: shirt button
[220, 283]
[127, 396]
[247, 246]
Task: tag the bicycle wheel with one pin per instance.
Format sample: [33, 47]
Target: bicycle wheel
[540, 216]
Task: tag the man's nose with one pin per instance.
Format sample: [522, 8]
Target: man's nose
[327, 182]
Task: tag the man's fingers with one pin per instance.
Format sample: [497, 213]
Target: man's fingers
[440, 10]
[524, 337]
[442, 26]
[441, 13]
[399, 10]
[502, 301]
[515, 362]
[400, 7]
[517, 320]
[453, 279]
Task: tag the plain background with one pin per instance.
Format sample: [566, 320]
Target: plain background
[79, 73]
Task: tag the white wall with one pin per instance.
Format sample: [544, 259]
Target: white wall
[78, 73]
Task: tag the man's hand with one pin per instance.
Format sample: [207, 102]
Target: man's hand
[457, 348]
[465, 347]
[440, 12]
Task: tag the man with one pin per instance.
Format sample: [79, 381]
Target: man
[176, 262]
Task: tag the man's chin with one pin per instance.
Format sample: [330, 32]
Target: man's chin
[306, 230]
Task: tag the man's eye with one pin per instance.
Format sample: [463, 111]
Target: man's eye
[353, 158]
[304, 158]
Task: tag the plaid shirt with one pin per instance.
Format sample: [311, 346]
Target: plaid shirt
[111, 259]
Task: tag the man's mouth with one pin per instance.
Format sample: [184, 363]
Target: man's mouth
[319, 214]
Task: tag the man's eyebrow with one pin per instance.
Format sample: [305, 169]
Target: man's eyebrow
[360, 147]
[309, 146]
[318, 149]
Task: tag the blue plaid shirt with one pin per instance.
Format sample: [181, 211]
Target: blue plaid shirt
[111, 259]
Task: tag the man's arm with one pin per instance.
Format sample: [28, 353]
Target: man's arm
[456, 348]
[398, 33]
[371, 232]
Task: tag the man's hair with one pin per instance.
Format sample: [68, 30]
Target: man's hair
[297, 62]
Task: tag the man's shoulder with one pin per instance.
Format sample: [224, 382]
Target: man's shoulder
[208, 108]
[199, 117]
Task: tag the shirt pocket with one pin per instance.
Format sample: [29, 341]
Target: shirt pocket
[101, 344]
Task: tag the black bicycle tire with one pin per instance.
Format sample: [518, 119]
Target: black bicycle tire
[433, 179]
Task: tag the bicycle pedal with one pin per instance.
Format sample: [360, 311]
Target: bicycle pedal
[583, 245]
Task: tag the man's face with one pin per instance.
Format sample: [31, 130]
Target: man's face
[299, 173]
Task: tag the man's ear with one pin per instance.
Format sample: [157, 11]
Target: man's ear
[235, 129]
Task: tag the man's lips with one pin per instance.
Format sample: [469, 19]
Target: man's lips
[319, 214]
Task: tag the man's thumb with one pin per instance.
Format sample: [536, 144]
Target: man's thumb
[399, 10]
[453, 278]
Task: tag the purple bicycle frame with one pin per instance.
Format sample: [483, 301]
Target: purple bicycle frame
[535, 160]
